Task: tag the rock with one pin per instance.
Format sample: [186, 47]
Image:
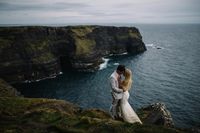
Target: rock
[156, 114]
[34, 53]
[7, 90]
[195, 130]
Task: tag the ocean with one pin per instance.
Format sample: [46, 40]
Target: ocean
[168, 72]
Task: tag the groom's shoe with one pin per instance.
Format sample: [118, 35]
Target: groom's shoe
[115, 117]
[118, 118]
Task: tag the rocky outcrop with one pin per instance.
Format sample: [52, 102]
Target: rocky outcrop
[32, 53]
[7, 90]
[41, 115]
[157, 114]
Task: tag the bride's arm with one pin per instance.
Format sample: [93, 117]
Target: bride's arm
[121, 86]
[124, 86]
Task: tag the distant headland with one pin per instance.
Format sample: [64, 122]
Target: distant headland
[30, 53]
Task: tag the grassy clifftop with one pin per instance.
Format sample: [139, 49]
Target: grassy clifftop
[22, 115]
[48, 115]
[84, 44]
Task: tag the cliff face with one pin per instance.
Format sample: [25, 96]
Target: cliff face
[31, 53]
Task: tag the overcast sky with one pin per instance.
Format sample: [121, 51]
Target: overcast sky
[99, 11]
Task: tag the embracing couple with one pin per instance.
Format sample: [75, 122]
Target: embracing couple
[120, 108]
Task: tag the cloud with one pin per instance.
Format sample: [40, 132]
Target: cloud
[81, 11]
[62, 6]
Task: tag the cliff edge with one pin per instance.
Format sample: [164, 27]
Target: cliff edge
[41, 115]
[32, 53]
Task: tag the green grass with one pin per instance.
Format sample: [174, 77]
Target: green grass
[43, 58]
[130, 34]
[41, 50]
[82, 31]
[37, 45]
[5, 43]
[84, 44]
[21, 114]
[133, 34]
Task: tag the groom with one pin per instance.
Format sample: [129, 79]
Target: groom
[116, 92]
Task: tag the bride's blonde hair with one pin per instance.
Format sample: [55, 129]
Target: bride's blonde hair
[127, 82]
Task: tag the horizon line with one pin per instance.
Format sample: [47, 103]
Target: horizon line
[75, 23]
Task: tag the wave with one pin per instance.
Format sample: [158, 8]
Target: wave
[116, 64]
[60, 72]
[49, 77]
[154, 46]
[150, 45]
[125, 53]
[104, 64]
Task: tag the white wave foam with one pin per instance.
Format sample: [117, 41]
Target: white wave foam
[125, 53]
[60, 72]
[150, 45]
[154, 46]
[27, 81]
[50, 77]
[116, 64]
[104, 64]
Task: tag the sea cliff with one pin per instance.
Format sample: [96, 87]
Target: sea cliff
[41, 115]
[35, 52]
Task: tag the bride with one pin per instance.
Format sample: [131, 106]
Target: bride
[128, 114]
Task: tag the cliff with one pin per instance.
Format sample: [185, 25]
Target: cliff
[19, 114]
[32, 53]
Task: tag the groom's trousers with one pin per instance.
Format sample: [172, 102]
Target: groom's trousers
[115, 108]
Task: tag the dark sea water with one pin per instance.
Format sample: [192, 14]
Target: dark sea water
[169, 72]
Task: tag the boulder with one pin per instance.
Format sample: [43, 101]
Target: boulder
[156, 114]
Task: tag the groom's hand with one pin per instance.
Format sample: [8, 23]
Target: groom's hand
[121, 87]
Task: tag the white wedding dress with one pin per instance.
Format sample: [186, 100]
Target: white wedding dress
[127, 112]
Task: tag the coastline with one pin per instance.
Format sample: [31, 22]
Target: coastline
[32, 53]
